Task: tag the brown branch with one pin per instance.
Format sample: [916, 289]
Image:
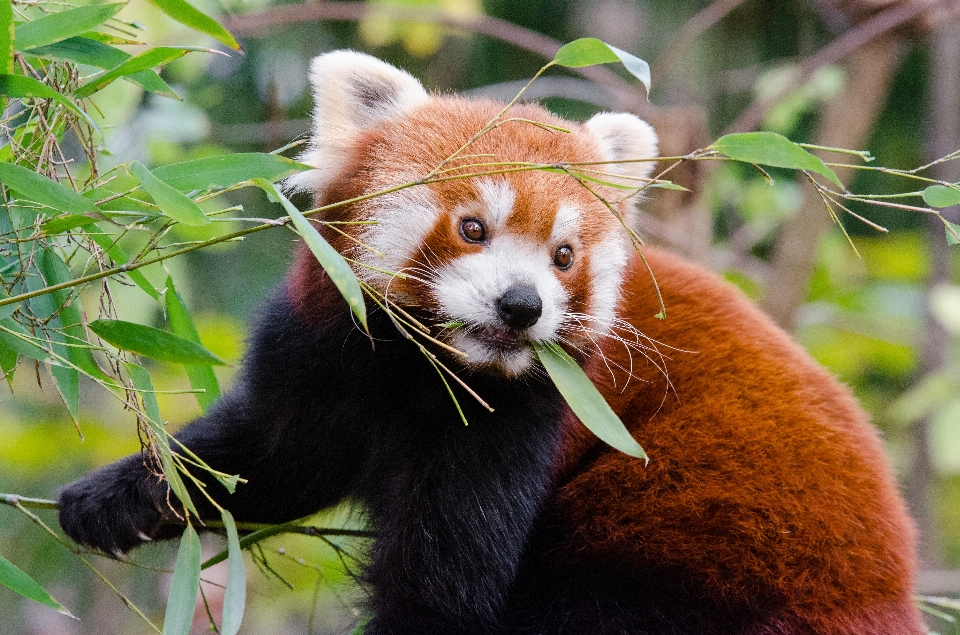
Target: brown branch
[689, 32]
[852, 40]
[628, 95]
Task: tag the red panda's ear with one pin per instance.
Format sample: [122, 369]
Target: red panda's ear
[352, 91]
[624, 136]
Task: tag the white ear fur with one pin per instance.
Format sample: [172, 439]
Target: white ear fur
[352, 91]
[622, 136]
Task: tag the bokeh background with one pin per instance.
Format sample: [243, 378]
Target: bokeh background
[882, 75]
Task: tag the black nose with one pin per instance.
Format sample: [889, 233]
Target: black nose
[520, 307]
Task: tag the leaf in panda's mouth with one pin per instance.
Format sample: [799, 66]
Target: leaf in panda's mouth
[585, 400]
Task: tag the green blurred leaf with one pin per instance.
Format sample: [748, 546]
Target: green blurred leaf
[152, 58]
[235, 597]
[21, 87]
[332, 262]
[590, 51]
[227, 170]
[54, 27]
[153, 343]
[770, 148]
[170, 201]
[186, 583]
[84, 50]
[585, 400]
[6, 37]
[19, 582]
[188, 15]
[201, 377]
[40, 189]
[941, 196]
[144, 386]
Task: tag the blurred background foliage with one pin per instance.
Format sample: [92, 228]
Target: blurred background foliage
[887, 322]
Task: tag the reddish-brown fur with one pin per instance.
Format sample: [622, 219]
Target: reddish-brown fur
[766, 486]
[765, 481]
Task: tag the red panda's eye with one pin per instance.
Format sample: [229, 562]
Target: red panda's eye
[563, 257]
[473, 230]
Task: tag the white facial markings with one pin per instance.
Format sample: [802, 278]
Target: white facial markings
[606, 277]
[404, 220]
[497, 198]
[565, 225]
[468, 288]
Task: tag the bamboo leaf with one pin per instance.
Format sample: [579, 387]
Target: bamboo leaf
[152, 58]
[185, 585]
[144, 386]
[953, 232]
[17, 581]
[770, 148]
[15, 338]
[941, 196]
[58, 26]
[40, 189]
[6, 37]
[235, 597]
[227, 170]
[55, 271]
[188, 15]
[119, 256]
[20, 87]
[153, 343]
[85, 50]
[201, 377]
[171, 202]
[585, 400]
[590, 51]
[332, 262]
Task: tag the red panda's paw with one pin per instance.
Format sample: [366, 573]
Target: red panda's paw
[114, 509]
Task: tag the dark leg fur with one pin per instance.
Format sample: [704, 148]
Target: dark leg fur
[317, 416]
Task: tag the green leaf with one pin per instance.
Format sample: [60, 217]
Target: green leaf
[941, 196]
[67, 380]
[770, 148]
[188, 15]
[186, 583]
[590, 51]
[144, 386]
[20, 87]
[58, 26]
[170, 201]
[154, 57]
[19, 582]
[119, 257]
[55, 271]
[17, 339]
[84, 50]
[201, 377]
[66, 223]
[953, 232]
[6, 37]
[235, 596]
[585, 400]
[332, 262]
[40, 189]
[153, 343]
[227, 170]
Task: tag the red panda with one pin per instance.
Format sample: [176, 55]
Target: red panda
[767, 507]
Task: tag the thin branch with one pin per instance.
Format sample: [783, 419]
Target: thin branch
[853, 39]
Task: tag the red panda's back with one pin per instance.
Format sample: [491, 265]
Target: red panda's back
[766, 485]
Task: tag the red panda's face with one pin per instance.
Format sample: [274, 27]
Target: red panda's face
[496, 260]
